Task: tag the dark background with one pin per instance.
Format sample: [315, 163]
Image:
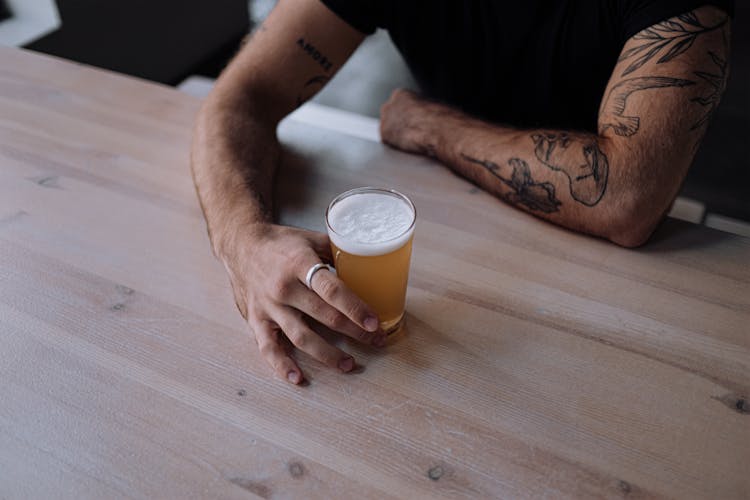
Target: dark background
[3, 10]
[160, 40]
[720, 175]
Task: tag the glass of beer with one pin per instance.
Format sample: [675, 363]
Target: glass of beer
[371, 231]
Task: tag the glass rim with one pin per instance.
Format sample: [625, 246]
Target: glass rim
[371, 189]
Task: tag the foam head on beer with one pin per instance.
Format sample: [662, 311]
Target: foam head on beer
[370, 223]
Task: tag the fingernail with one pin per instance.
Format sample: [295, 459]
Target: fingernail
[371, 323]
[346, 364]
[379, 341]
[293, 377]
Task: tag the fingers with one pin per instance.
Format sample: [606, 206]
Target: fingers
[335, 292]
[310, 342]
[267, 336]
[311, 304]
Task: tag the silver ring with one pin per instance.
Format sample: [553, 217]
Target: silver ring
[314, 269]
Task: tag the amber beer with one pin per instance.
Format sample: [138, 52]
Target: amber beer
[371, 231]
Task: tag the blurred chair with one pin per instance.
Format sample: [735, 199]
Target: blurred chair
[22, 21]
[4, 12]
[160, 40]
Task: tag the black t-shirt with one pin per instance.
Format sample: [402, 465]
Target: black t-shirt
[3, 10]
[533, 63]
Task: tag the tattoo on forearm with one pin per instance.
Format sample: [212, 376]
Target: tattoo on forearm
[717, 82]
[583, 163]
[539, 196]
[311, 87]
[612, 113]
[316, 55]
[667, 39]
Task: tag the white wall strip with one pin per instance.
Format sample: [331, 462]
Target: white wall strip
[345, 122]
[728, 224]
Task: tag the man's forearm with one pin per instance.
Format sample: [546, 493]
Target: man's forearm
[575, 179]
[234, 155]
[557, 175]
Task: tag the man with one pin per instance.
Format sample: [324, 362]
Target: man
[586, 113]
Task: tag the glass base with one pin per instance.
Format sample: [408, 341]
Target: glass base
[392, 327]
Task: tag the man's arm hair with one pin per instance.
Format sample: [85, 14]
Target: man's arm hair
[620, 182]
[288, 59]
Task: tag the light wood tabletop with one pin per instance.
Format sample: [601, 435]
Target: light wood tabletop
[536, 362]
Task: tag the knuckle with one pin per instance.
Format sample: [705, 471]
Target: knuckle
[337, 321]
[300, 259]
[354, 310]
[330, 289]
[300, 338]
[277, 364]
[265, 349]
[331, 358]
[319, 310]
[280, 287]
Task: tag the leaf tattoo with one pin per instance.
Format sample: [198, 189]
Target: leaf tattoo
[717, 82]
[668, 39]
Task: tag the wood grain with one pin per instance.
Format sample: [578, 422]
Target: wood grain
[537, 362]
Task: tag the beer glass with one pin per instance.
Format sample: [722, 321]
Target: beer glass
[371, 231]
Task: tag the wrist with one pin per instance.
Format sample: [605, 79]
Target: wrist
[431, 121]
[237, 236]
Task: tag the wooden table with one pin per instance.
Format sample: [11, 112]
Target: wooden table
[537, 362]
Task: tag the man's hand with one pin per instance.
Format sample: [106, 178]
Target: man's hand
[267, 267]
[288, 59]
[404, 122]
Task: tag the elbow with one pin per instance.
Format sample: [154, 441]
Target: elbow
[261, 103]
[632, 238]
[634, 222]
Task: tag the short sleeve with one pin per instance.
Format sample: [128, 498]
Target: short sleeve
[640, 14]
[359, 14]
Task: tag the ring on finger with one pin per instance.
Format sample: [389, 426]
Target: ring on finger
[314, 269]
